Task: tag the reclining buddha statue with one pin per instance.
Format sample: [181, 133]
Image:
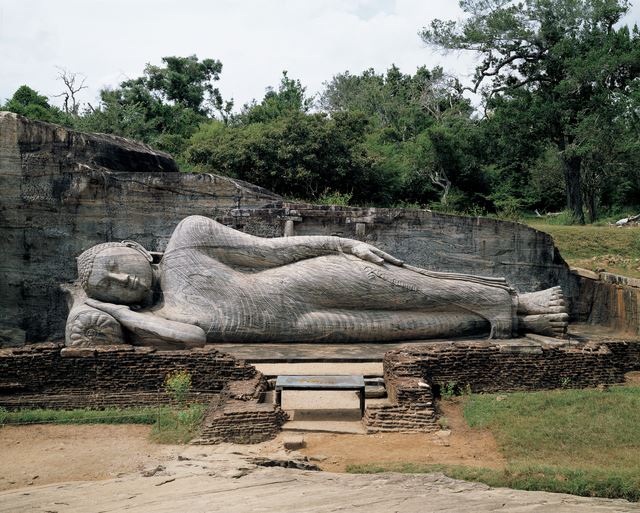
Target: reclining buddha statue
[216, 284]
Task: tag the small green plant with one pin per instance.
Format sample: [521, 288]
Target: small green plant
[3, 415]
[178, 427]
[466, 390]
[177, 385]
[334, 198]
[443, 422]
[565, 382]
[449, 390]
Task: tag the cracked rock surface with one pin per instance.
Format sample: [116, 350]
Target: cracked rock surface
[224, 478]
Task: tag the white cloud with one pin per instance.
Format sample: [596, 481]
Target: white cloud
[110, 40]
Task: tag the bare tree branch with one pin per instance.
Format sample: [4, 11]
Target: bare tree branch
[74, 83]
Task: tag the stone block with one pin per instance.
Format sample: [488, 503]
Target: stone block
[293, 442]
[78, 352]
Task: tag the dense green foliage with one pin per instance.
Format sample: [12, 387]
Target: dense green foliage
[561, 72]
[583, 442]
[560, 127]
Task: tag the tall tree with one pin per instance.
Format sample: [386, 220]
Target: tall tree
[165, 105]
[289, 98]
[569, 54]
[401, 104]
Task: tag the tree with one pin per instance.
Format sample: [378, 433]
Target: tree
[288, 99]
[303, 156]
[164, 106]
[73, 83]
[568, 54]
[400, 104]
[29, 103]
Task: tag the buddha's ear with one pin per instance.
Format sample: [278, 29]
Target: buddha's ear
[138, 247]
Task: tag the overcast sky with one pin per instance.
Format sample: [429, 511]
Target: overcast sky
[111, 40]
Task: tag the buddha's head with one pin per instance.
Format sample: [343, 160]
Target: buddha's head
[116, 272]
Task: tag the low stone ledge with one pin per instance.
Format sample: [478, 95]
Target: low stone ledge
[490, 368]
[78, 352]
[237, 415]
[617, 279]
[91, 376]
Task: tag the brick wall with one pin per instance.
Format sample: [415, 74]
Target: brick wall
[239, 416]
[46, 375]
[502, 366]
[411, 408]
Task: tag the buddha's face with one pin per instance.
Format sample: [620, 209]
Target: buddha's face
[119, 275]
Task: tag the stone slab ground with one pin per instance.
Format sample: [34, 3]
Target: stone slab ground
[114, 468]
[226, 479]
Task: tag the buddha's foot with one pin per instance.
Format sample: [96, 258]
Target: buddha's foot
[551, 325]
[548, 301]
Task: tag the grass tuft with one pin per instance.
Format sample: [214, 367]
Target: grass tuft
[178, 426]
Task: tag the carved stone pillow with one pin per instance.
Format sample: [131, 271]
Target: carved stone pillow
[88, 327]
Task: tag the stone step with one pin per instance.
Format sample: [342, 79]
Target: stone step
[375, 392]
[325, 426]
[366, 369]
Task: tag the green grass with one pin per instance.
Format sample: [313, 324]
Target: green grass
[585, 428]
[178, 426]
[583, 442]
[82, 416]
[592, 247]
[170, 426]
[587, 483]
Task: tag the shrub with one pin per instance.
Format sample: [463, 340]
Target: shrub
[177, 385]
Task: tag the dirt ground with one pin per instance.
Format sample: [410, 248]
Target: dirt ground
[463, 447]
[48, 453]
[43, 454]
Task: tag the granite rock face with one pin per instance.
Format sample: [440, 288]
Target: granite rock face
[64, 191]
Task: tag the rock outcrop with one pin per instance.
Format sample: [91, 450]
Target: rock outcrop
[64, 191]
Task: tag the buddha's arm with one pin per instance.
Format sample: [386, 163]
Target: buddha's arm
[291, 249]
[236, 248]
[147, 324]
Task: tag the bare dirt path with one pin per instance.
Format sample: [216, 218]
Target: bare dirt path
[47, 453]
[463, 447]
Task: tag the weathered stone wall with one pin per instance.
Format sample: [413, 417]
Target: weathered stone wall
[239, 416]
[497, 367]
[440, 242]
[608, 300]
[48, 376]
[411, 407]
[64, 191]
